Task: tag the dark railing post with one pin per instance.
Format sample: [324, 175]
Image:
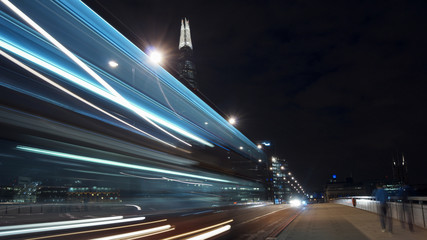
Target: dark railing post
[422, 211]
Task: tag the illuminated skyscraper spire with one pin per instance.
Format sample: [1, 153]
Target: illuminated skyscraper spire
[186, 67]
[185, 37]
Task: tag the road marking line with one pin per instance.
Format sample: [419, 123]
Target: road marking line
[277, 231]
[261, 216]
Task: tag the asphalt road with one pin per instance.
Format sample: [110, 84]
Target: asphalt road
[238, 222]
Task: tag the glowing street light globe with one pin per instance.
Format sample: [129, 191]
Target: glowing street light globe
[156, 56]
[232, 121]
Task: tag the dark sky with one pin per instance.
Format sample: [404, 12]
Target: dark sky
[338, 86]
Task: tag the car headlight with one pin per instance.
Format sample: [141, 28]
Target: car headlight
[295, 202]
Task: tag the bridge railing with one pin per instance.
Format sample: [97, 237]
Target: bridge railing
[415, 209]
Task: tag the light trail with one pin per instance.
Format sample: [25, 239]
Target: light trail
[113, 163]
[211, 233]
[151, 234]
[50, 224]
[135, 206]
[117, 97]
[96, 230]
[64, 227]
[17, 62]
[60, 47]
[197, 231]
[166, 179]
[89, 87]
[138, 234]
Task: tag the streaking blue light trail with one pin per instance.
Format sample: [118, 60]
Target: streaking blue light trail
[76, 48]
[103, 93]
[114, 163]
[116, 97]
[76, 96]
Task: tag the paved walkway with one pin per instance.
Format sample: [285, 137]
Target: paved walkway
[336, 222]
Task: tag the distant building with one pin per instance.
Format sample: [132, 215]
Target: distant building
[186, 67]
[93, 194]
[27, 190]
[8, 193]
[400, 169]
[280, 184]
[52, 194]
[316, 197]
[335, 189]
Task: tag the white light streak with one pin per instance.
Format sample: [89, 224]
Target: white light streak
[133, 205]
[63, 227]
[50, 224]
[137, 233]
[199, 230]
[211, 233]
[96, 230]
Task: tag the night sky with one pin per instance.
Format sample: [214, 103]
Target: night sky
[337, 86]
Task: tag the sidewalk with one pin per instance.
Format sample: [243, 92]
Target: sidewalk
[336, 222]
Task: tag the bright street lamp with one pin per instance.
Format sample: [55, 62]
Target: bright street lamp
[156, 57]
[232, 120]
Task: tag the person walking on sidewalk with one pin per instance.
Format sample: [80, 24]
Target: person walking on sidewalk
[381, 196]
[405, 213]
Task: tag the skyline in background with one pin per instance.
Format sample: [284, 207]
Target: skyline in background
[338, 88]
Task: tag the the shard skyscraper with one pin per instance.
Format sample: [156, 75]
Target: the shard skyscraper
[186, 67]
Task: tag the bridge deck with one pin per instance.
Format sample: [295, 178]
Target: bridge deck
[333, 221]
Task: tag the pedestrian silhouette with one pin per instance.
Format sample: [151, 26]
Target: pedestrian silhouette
[405, 213]
[381, 197]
